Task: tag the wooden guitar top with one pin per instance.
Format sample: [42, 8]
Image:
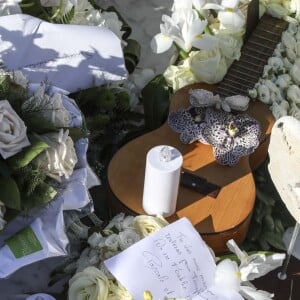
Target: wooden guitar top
[235, 201]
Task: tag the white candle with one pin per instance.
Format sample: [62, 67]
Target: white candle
[162, 174]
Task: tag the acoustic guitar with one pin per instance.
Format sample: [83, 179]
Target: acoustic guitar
[226, 215]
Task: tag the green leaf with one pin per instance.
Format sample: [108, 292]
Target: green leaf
[132, 53]
[42, 195]
[5, 170]
[24, 157]
[10, 194]
[156, 101]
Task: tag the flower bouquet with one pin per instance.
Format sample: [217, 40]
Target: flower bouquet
[43, 144]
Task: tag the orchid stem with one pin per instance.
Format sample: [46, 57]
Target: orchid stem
[282, 275]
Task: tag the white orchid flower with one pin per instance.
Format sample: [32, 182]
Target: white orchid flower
[229, 15]
[255, 265]
[185, 29]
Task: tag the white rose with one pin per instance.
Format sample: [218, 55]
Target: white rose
[127, 238]
[264, 94]
[117, 292]
[146, 225]
[293, 93]
[283, 81]
[90, 283]
[208, 66]
[60, 158]
[51, 108]
[179, 76]
[278, 111]
[13, 136]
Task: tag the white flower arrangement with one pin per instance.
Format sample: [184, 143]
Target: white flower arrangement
[231, 277]
[35, 144]
[279, 85]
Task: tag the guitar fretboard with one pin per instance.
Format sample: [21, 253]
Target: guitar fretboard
[244, 73]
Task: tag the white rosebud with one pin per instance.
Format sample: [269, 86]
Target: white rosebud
[91, 283]
[288, 40]
[278, 111]
[295, 74]
[283, 81]
[275, 63]
[252, 93]
[94, 239]
[13, 136]
[116, 222]
[127, 238]
[287, 64]
[60, 158]
[294, 111]
[293, 93]
[112, 242]
[291, 54]
[264, 94]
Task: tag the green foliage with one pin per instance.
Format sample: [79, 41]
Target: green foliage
[270, 216]
[132, 53]
[24, 157]
[156, 101]
[10, 194]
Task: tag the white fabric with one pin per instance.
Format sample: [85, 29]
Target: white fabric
[71, 57]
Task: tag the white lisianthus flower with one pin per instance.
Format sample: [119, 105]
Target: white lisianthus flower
[112, 242]
[91, 283]
[208, 66]
[185, 29]
[127, 238]
[60, 158]
[50, 107]
[2, 213]
[229, 15]
[293, 93]
[146, 225]
[179, 76]
[255, 265]
[13, 137]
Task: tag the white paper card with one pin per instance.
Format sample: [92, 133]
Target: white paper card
[173, 262]
[71, 57]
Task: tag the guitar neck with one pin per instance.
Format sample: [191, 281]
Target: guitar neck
[244, 73]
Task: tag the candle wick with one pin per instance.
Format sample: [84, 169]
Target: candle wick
[165, 154]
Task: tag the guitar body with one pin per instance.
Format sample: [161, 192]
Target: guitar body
[216, 219]
[228, 215]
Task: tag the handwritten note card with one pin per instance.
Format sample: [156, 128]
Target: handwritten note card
[173, 262]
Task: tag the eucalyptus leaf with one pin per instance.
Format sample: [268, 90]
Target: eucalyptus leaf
[10, 194]
[24, 157]
[156, 101]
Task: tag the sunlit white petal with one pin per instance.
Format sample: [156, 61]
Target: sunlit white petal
[230, 19]
[161, 43]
